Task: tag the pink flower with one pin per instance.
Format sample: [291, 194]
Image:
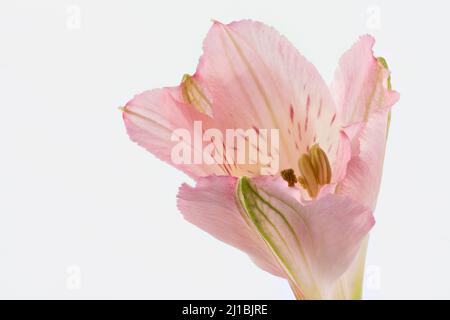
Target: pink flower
[308, 221]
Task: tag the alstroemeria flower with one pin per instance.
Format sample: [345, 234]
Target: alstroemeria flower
[308, 222]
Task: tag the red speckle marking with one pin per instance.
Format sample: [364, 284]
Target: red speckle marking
[320, 109]
[306, 121]
[308, 104]
[299, 129]
[333, 118]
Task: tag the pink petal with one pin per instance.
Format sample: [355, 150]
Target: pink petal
[350, 284]
[311, 245]
[364, 170]
[314, 243]
[360, 86]
[257, 79]
[343, 156]
[253, 79]
[152, 117]
[211, 206]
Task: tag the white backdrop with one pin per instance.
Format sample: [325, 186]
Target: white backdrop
[85, 213]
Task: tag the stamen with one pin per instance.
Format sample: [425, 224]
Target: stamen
[309, 177]
[320, 164]
[302, 182]
[289, 176]
[315, 169]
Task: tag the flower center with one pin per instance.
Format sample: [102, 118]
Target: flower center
[315, 171]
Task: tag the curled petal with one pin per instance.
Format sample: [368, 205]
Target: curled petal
[365, 168]
[314, 243]
[362, 83]
[310, 245]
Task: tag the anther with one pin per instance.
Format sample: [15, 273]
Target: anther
[315, 170]
[289, 176]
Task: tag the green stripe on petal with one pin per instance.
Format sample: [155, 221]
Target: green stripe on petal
[276, 229]
[384, 64]
[313, 243]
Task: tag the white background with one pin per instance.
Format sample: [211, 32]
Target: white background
[85, 213]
